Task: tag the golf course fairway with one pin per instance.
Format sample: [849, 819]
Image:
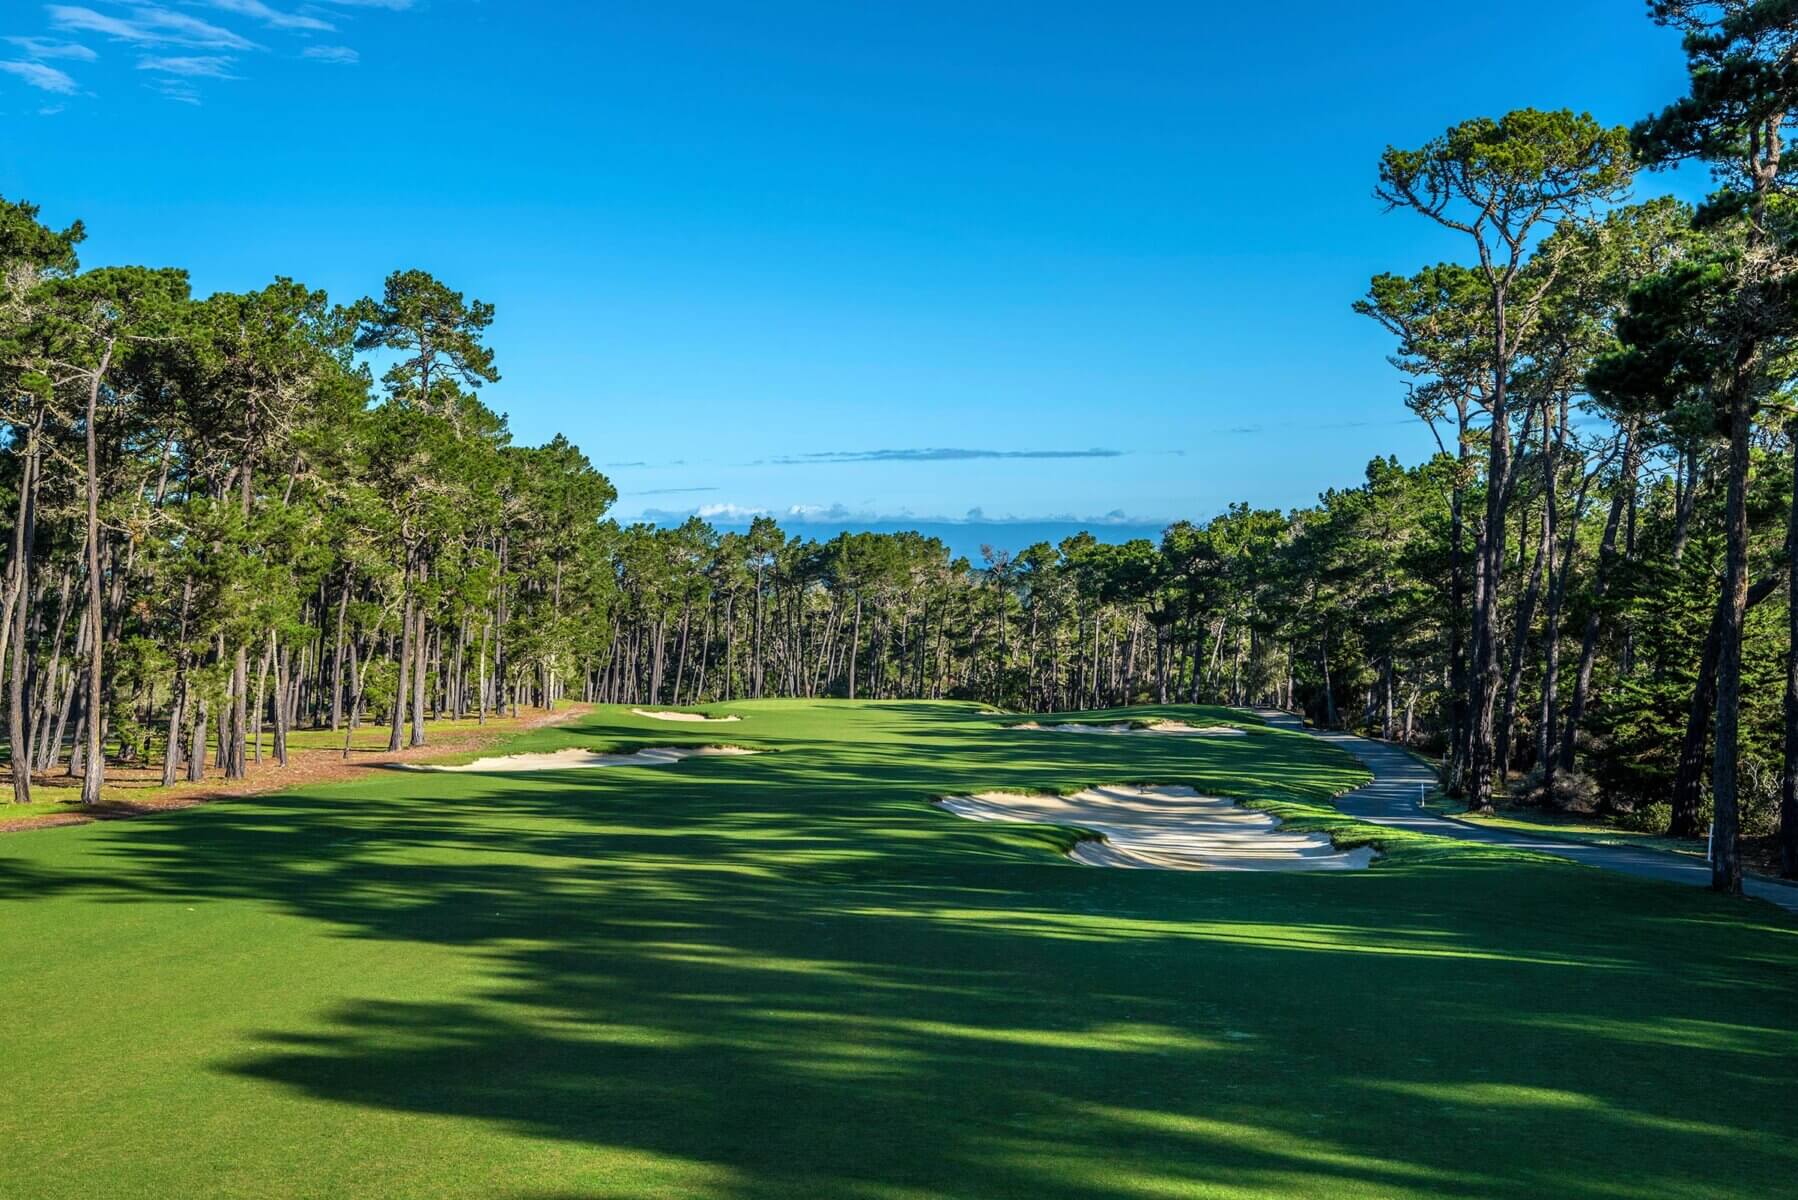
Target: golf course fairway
[791, 975]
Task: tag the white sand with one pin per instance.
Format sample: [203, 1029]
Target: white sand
[1171, 828]
[562, 760]
[1124, 727]
[681, 716]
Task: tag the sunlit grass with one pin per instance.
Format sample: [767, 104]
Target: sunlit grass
[790, 975]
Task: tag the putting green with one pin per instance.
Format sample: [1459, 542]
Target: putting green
[790, 975]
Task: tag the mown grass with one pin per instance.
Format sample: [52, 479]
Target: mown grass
[790, 975]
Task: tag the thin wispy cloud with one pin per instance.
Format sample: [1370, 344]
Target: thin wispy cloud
[86, 20]
[181, 91]
[42, 48]
[148, 25]
[274, 18]
[37, 75]
[1246, 430]
[673, 491]
[725, 513]
[191, 66]
[935, 454]
[183, 49]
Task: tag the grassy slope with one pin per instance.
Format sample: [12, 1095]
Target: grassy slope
[789, 975]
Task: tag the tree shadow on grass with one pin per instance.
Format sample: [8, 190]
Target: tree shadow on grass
[793, 973]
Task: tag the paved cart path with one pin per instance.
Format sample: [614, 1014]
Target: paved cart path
[1392, 799]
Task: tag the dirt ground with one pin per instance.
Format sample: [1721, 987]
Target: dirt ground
[134, 791]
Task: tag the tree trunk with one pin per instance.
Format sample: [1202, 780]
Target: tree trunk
[1788, 784]
[420, 657]
[343, 608]
[178, 698]
[855, 639]
[1487, 579]
[1726, 861]
[403, 684]
[281, 703]
[23, 537]
[95, 773]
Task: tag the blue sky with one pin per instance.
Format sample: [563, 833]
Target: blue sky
[785, 256]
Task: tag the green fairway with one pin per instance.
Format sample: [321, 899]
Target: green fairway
[790, 976]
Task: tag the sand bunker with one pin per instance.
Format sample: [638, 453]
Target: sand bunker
[1171, 828]
[1124, 727]
[562, 760]
[681, 716]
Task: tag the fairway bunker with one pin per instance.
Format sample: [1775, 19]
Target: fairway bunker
[1178, 728]
[681, 716]
[576, 758]
[1166, 828]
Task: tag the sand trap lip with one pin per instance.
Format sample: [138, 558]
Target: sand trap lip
[576, 758]
[1166, 828]
[681, 716]
[1124, 727]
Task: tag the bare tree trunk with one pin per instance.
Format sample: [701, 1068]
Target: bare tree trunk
[23, 537]
[171, 760]
[1788, 784]
[1726, 861]
[281, 703]
[196, 752]
[258, 708]
[855, 643]
[1607, 561]
[235, 764]
[395, 735]
[1525, 617]
[420, 659]
[94, 775]
[343, 608]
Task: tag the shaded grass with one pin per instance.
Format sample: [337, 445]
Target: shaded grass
[788, 975]
[1569, 827]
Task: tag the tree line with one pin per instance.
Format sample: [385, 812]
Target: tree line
[221, 522]
[1581, 601]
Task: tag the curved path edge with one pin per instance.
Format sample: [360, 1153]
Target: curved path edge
[1398, 783]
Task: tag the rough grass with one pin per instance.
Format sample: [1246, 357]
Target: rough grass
[789, 975]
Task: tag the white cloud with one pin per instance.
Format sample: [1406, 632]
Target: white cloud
[37, 75]
[826, 512]
[202, 66]
[148, 24]
[727, 512]
[345, 56]
[45, 48]
[274, 18]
